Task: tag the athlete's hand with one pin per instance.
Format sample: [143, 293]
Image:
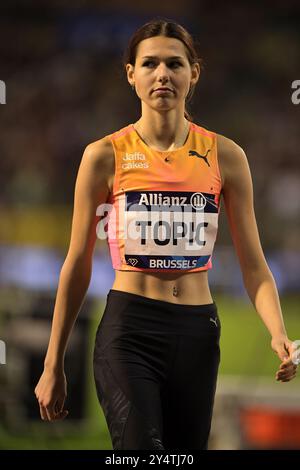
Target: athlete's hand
[51, 392]
[283, 347]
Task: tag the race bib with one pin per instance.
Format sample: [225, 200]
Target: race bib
[169, 230]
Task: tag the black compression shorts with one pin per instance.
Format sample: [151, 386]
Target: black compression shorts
[155, 368]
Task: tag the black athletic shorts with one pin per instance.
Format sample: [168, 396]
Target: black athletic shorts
[155, 368]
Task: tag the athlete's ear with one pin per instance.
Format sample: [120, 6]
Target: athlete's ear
[195, 74]
[130, 74]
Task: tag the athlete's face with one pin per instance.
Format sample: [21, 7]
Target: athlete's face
[162, 62]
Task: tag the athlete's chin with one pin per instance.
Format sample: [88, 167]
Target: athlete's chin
[163, 105]
[163, 109]
[164, 98]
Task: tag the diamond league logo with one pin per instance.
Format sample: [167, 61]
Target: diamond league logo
[132, 261]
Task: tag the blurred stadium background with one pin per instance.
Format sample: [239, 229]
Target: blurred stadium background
[61, 62]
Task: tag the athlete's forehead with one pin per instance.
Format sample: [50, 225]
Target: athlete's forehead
[161, 47]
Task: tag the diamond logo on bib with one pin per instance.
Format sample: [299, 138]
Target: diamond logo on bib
[132, 261]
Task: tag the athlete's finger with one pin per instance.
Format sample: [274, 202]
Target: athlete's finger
[59, 405]
[62, 414]
[43, 413]
[286, 376]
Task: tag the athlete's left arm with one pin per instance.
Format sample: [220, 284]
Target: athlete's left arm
[237, 193]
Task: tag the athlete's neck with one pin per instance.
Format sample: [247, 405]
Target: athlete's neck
[163, 134]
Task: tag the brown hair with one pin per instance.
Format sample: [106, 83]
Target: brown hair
[169, 29]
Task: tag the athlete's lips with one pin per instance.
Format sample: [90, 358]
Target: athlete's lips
[163, 89]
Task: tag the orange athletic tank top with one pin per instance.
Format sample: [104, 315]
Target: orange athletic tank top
[164, 205]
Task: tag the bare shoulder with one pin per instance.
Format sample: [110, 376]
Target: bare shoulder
[100, 152]
[99, 157]
[232, 158]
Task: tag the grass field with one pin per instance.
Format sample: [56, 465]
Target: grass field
[245, 350]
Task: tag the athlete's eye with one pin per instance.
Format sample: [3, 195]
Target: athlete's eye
[148, 63]
[175, 64]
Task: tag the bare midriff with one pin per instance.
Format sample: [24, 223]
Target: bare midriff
[178, 288]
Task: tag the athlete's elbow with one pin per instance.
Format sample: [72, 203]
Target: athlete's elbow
[79, 267]
[256, 276]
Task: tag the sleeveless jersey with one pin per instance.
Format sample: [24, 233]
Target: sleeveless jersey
[164, 206]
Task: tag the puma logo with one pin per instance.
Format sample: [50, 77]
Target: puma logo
[214, 320]
[193, 153]
[132, 261]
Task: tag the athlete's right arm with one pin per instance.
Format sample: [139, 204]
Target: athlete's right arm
[91, 189]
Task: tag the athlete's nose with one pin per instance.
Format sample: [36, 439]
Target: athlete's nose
[163, 74]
